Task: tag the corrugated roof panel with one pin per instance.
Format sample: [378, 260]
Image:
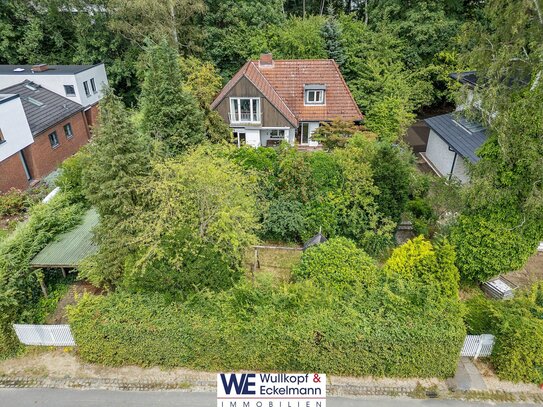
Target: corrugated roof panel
[71, 247]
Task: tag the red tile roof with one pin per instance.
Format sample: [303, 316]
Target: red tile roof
[283, 82]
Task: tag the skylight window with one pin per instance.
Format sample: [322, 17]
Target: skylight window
[29, 86]
[472, 127]
[35, 102]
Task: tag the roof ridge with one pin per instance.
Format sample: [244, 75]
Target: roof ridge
[273, 89]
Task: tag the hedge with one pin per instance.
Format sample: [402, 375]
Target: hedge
[518, 326]
[297, 327]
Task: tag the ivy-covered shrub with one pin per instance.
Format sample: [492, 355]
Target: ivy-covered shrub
[337, 262]
[518, 326]
[297, 327]
[12, 202]
[19, 287]
[487, 247]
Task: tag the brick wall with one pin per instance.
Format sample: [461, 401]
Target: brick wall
[91, 115]
[43, 159]
[12, 174]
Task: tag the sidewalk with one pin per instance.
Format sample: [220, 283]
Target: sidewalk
[45, 368]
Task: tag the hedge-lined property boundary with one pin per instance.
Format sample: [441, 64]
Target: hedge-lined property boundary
[301, 328]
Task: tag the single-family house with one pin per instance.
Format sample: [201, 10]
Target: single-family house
[268, 101]
[453, 140]
[45, 117]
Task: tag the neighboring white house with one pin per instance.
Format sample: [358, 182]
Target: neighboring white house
[452, 143]
[83, 84]
[268, 101]
[453, 140]
[15, 132]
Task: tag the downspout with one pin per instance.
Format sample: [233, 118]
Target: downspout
[453, 163]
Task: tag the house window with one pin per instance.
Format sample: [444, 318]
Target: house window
[69, 90]
[245, 110]
[68, 131]
[314, 97]
[87, 90]
[53, 139]
[277, 134]
[93, 85]
[2, 139]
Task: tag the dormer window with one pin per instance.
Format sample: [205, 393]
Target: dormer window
[314, 94]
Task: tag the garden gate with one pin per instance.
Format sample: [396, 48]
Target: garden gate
[477, 345]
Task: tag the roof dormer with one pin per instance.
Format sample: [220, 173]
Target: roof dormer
[315, 94]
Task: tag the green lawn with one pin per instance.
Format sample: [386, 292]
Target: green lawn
[275, 262]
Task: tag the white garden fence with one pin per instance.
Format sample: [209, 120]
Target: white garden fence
[45, 335]
[478, 346]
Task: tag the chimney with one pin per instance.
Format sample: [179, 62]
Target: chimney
[40, 68]
[266, 59]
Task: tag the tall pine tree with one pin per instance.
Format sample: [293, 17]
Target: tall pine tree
[331, 32]
[170, 113]
[117, 161]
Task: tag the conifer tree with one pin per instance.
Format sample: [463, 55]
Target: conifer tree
[170, 113]
[331, 32]
[118, 159]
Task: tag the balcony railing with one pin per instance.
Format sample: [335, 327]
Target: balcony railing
[246, 118]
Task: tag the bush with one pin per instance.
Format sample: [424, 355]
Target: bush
[518, 326]
[70, 177]
[488, 247]
[424, 265]
[337, 262]
[12, 202]
[299, 327]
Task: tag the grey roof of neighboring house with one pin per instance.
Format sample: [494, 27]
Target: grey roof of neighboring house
[53, 69]
[453, 131]
[54, 108]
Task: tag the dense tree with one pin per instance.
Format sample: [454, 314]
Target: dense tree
[428, 267]
[233, 29]
[116, 162]
[504, 201]
[170, 113]
[202, 80]
[337, 133]
[331, 32]
[175, 20]
[199, 218]
[392, 173]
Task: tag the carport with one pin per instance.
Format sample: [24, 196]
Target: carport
[68, 250]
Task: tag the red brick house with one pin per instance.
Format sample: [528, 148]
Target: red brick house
[38, 130]
[269, 100]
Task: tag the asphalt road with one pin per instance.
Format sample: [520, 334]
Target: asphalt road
[105, 398]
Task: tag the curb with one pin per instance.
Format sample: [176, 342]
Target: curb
[333, 390]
